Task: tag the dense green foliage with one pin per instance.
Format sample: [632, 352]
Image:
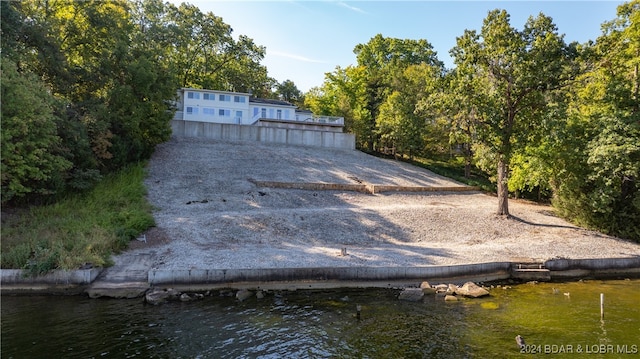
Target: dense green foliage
[78, 229]
[513, 76]
[598, 184]
[31, 156]
[88, 86]
[542, 118]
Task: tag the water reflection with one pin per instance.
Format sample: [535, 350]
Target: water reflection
[323, 324]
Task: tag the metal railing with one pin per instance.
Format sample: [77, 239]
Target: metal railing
[332, 120]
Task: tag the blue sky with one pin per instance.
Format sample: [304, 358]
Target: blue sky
[306, 39]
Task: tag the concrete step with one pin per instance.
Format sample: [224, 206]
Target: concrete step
[117, 290]
[528, 266]
[530, 272]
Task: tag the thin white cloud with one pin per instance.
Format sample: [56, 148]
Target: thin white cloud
[293, 56]
[352, 8]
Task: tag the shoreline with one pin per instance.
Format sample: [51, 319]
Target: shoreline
[309, 217]
[87, 282]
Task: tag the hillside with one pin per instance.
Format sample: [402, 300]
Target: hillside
[210, 214]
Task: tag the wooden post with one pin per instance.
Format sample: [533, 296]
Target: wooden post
[601, 306]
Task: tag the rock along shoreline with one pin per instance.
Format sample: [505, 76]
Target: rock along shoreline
[88, 282]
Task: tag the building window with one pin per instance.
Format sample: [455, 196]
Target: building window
[224, 113]
[192, 110]
[279, 114]
[209, 96]
[208, 111]
[239, 116]
[193, 95]
[263, 113]
[240, 99]
[225, 98]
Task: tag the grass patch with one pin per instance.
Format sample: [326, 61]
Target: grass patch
[78, 229]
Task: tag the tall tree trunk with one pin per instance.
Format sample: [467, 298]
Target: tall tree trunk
[468, 156]
[503, 189]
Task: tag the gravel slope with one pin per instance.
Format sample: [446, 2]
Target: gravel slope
[211, 216]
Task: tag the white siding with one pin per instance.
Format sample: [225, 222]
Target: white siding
[215, 106]
[236, 108]
[270, 111]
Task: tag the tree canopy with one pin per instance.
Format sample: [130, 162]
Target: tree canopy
[513, 75]
[533, 112]
[88, 86]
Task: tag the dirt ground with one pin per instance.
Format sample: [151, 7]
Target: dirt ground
[211, 215]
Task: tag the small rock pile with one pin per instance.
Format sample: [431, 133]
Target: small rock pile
[157, 296]
[448, 292]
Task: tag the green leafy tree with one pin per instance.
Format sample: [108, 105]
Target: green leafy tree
[288, 91]
[382, 59]
[343, 93]
[599, 184]
[113, 68]
[401, 124]
[31, 159]
[199, 48]
[515, 71]
[358, 92]
[454, 105]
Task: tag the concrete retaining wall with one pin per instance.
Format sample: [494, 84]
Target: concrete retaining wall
[362, 187]
[72, 282]
[314, 186]
[383, 276]
[80, 276]
[482, 271]
[388, 188]
[59, 281]
[313, 126]
[592, 264]
[286, 136]
[600, 267]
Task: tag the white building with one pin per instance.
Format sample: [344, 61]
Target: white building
[239, 108]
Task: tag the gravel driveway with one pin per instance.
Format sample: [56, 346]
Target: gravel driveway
[210, 215]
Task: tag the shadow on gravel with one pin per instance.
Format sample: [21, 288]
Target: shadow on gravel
[399, 173]
[206, 203]
[521, 220]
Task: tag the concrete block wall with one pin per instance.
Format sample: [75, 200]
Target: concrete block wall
[487, 271]
[287, 136]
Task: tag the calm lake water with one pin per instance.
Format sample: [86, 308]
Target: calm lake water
[323, 324]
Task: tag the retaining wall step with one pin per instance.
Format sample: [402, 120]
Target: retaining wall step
[529, 266]
[117, 290]
[543, 275]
